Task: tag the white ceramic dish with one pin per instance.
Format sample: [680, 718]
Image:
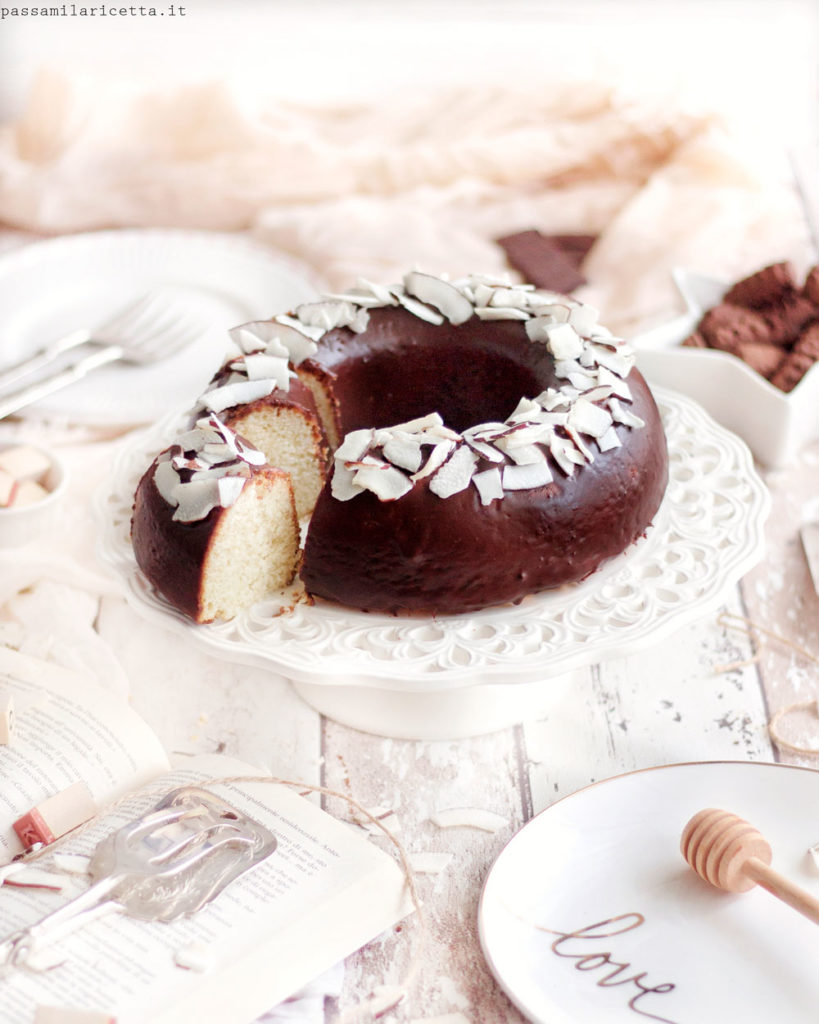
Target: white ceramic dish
[400, 675]
[774, 424]
[22, 525]
[49, 288]
[606, 862]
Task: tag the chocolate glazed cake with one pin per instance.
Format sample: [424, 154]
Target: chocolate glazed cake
[488, 441]
[426, 554]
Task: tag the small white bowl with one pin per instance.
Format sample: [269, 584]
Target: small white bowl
[18, 526]
[774, 424]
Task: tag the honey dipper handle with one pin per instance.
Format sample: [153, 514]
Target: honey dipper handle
[781, 887]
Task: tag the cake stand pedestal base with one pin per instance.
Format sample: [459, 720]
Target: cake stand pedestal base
[449, 714]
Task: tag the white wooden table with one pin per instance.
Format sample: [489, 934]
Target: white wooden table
[681, 701]
[673, 703]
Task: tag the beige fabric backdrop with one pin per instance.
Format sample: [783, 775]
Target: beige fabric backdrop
[423, 179]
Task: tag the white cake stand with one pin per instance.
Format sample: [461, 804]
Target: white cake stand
[455, 676]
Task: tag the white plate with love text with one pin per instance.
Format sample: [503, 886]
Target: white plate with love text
[590, 913]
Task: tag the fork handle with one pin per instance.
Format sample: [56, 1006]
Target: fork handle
[43, 357]
[20, 399]
[17, 948]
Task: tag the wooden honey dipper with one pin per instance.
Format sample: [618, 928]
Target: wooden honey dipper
[732, 855]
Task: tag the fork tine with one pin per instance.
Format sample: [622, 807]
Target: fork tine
[164, 343]
[130, 315]
[149, 330]
[191, 839]
[201, 852]
[153, 328]
[147, 322]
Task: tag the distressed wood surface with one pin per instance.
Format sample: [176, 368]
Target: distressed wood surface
[699, 695]
[705, 693]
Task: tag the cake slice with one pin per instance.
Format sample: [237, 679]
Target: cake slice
[253, 549]
[214, 527]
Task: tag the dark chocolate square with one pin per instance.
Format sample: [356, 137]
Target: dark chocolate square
[541, 261]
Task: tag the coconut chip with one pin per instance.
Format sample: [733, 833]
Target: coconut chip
[343, 486]
[195, 956]
[455, 474]
[489, 485]
[527, 454]
[386, 482]
[609, 440]
[589, 418]
[404, 452]
[526, 477]
[166, 480]
[220, 466]
[443, 1018]
[419, 309]
[563, 341]
[501, 313]
[445, 297]
[195, 500]
[31, 877]
[624, 416]
[469, 817]
[272, 336]
[329, 314]
[228, 396]
[429, 862]
[437, 457]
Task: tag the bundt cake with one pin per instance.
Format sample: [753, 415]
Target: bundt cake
[489, 441]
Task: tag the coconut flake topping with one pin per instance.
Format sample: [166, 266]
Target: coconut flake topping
[216, 464]
[567, 423]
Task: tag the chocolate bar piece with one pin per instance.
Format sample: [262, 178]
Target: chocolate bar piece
[574, 247]
[541, 261]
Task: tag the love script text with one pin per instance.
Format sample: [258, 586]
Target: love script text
[576, 946]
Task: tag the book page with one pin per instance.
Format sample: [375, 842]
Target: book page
[67, 729]
[323, 893]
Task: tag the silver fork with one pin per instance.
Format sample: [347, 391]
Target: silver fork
[145, 872]
[149, 330]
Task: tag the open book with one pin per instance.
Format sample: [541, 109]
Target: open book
[323, 893]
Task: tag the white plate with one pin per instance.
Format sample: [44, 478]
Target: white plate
[612, 851]
[775, 424]
[708, 533]
[49, 288]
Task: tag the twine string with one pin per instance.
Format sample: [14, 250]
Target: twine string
[751, 628]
